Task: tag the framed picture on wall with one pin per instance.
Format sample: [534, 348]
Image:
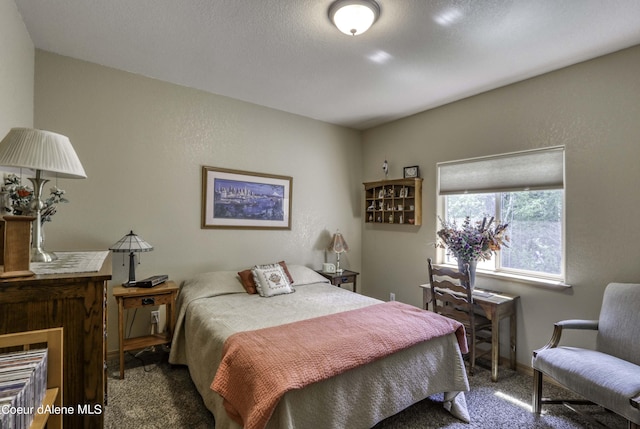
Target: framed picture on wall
[245, 200]
[412, 171]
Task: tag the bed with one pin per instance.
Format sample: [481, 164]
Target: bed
[212, 307]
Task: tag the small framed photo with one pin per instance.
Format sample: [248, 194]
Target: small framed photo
[411, 172]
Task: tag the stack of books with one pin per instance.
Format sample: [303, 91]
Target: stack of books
[23, 384]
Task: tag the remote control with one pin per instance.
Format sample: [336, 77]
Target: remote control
[152, 281]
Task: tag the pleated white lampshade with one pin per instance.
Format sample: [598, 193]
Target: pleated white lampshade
[49, 152]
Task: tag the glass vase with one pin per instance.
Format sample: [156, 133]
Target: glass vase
[472, 270]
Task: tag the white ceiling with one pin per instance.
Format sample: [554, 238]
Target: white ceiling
[287, 55]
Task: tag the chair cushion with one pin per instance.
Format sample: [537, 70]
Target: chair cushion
[599, 377]
[619, 322]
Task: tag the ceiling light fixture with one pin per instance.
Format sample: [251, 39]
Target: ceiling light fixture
[354, 17]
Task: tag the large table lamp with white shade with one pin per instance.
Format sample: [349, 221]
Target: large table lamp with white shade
[40, 154]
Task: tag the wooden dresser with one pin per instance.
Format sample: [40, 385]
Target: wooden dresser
[76, 302]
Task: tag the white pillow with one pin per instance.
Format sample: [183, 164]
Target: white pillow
[271, 280]
[214, 282]
[302, 275]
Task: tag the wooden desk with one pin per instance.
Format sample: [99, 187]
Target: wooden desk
[136, 297]
[496, 306]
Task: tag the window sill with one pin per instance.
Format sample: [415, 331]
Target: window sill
[533, 281]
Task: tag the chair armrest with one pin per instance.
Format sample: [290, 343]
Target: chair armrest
[578, 324]
[566, 324]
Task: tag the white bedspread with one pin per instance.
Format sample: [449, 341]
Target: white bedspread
[212, 306]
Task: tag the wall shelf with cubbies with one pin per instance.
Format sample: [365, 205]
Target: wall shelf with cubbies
[395, 202]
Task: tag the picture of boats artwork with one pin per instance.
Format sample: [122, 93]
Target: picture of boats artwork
[248, 200]
[243, 199]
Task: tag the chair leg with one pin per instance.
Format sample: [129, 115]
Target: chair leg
[537, 392]
[633, 425]
[472, 355]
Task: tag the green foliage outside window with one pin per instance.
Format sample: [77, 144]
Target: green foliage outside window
[535, 226]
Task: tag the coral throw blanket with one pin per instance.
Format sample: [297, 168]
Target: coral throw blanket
[259, 367]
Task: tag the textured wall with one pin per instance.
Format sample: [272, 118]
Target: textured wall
[142, 143]
[16, 70]
[592, 108]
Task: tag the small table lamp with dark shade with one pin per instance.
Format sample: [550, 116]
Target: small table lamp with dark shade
[338, 245]
[132, 244]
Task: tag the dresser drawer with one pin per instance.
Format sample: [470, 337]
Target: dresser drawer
[337, 281]
[141, 301]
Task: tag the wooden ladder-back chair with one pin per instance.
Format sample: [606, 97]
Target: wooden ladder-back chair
[452, 297]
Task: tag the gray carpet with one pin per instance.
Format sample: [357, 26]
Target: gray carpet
[155, 394]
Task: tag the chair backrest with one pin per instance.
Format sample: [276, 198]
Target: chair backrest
[450, 293]
[619, 323]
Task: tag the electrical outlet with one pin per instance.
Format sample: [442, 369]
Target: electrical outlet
[392, 296]
[155, 317]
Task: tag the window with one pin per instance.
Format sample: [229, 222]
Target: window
[535, 229]
[529, 197]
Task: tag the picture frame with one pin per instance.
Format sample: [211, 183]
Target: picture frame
[411, 171]
[236, 199]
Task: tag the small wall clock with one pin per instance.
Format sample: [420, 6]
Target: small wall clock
[412, 171]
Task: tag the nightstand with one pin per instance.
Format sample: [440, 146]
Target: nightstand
[337, 279]
[136, 297]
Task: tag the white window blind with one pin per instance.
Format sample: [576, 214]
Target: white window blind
[516, 171]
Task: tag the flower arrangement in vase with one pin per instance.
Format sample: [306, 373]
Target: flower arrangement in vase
[470, 241]
[18, 199]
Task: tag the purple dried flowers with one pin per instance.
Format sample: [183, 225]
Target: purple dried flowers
[472, 241]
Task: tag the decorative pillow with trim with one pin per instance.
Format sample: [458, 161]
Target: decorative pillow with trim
[246, 278]
[286, 271]
[271, 280]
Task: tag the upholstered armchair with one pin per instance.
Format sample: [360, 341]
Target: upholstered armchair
[609, 375]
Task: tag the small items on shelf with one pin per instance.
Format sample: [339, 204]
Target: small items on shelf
[394, 201]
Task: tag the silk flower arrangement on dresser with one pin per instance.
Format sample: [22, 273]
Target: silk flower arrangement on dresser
[470, 241]
[19, 199]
